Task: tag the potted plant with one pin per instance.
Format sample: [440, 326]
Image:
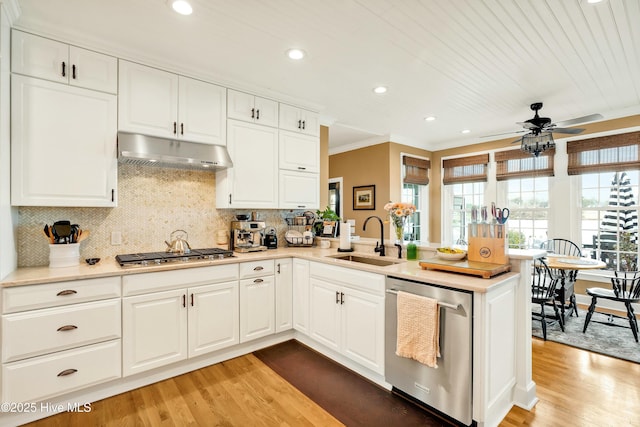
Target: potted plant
[326, 215]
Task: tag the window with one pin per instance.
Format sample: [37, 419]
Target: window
[609, 218]
[415, 178]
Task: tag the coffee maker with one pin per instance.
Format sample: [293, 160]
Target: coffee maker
[247, 236]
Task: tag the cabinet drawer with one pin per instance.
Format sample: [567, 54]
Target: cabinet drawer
[43, 377]
[20, 298]
[137, 284]
[256, 269]
[363, 280]
[38, 332]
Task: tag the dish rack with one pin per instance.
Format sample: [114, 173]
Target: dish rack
[296, 227]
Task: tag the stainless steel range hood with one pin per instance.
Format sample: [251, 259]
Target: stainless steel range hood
[154, 151]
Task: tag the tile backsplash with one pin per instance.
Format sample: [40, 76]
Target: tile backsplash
[152, 202]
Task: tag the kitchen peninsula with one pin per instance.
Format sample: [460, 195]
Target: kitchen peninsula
[501, 337]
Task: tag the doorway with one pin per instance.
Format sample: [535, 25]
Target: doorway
[335, 195]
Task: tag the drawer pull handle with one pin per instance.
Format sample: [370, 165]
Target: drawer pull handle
[258, 268]
[67, 372]
[66, 292]
[67, 328]
[258, 281]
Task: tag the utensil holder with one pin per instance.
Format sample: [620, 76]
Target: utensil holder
[64, 255]
[484, 248]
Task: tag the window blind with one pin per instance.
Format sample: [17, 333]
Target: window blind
[518, 164]
[465, 169]
[416, 171]
[604, 154]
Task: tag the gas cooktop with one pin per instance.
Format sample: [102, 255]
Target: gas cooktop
[157, 258]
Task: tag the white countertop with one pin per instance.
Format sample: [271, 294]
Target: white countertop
[406, 269]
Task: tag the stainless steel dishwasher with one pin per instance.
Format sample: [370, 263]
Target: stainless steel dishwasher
[448, 388]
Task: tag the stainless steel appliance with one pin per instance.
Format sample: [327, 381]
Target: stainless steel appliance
[271, 239]
[447, 389]
[247, 236]
[157, 258]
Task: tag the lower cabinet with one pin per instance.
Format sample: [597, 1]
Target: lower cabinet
[284, 294]
[257, 300]
[347, 313]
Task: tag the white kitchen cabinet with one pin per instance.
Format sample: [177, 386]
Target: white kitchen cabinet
[59, 62]
[158, 103]
[299, 120]
[63, 145]
[257, 300]
[298, 190]
[299, 152]
[252, 182]
[213, 317]
[301, 295]
[347, 313]
[251, 108]
[284, 294]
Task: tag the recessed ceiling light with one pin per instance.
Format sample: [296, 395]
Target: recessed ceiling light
[429, 118]
[182, 7]
[466, 131]
[594, 1]
[380, 89]
[296, 54]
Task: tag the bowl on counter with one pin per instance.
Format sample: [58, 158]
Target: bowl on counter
[452, 254]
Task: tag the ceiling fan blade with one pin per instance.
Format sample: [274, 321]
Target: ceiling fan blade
[527, 125]
[505, 133]
[572, 131]
[578, 120]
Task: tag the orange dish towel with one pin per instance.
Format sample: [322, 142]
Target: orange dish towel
[418, 328]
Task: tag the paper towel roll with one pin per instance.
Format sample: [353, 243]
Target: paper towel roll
[345, 236]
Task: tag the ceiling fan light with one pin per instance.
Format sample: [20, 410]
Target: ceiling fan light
[537, 144]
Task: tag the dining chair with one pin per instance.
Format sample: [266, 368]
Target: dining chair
[625, 289]
[567, 277]
[543, 291]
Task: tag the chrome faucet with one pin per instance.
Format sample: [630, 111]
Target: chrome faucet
[379, 248]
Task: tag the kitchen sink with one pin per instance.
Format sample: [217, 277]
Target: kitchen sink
[381, 262]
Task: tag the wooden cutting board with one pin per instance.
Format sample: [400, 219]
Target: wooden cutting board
[474, 268]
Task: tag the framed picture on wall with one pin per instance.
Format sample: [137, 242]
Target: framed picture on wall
[364, 197]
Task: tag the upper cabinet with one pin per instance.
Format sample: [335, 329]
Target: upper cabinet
[59, 62]
[159, 103]
[63, 145]
[251, 108]
[299, 120]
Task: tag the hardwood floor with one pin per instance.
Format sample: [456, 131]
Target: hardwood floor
[575, 388]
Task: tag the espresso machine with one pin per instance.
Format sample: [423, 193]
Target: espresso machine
[247, 236]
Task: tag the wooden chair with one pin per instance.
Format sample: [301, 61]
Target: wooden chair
[543, 291]
[567, 277]
[625, 289]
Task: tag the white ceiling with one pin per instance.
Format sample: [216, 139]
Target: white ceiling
[475, 64]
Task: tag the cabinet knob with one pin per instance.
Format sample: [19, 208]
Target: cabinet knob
[278, 268]
[66, 292]
[258, 281]
[175, 129]
[73, 72]
[304, 124]
[299, 124]
[253, 113]
[181, 128]
[301, 168]
[64, 69]
[67, 372]
[258, 268]
[337, 297]
[67, 328]
[341, 297]
[191, 300]
[258, 114]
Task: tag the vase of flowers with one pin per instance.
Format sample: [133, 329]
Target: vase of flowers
[398, 213]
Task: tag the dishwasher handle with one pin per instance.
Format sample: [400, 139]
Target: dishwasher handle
[441, 304]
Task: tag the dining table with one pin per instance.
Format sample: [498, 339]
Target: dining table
[566, 265]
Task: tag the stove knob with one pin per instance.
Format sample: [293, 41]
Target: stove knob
[157, 261]
[211, 256]
[143, 262]
[185, 258]
[220, 256]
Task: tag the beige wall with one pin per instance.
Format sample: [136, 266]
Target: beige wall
[377, 165]
[324, 167]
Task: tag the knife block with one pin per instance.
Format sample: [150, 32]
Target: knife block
[484, 248]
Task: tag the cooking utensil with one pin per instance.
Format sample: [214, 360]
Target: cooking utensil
[61, 231]
[82, 234]
[179, 244]
[502, 215]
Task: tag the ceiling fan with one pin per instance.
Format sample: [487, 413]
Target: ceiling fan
[540, 130]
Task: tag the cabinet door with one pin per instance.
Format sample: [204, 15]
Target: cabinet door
[213, 317]
[301, 295]
[299, 190]
[39, 57]
[298, 152]
[363, 329]
[63, 145]
[257, 302]
[147, 100]
[299, 120]
[266, 111]
[240, 106]
[324, 316]
[154, 330]
[311, 123]
[284, 294]
[92, 70]
[253, 179]
[202, 112]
